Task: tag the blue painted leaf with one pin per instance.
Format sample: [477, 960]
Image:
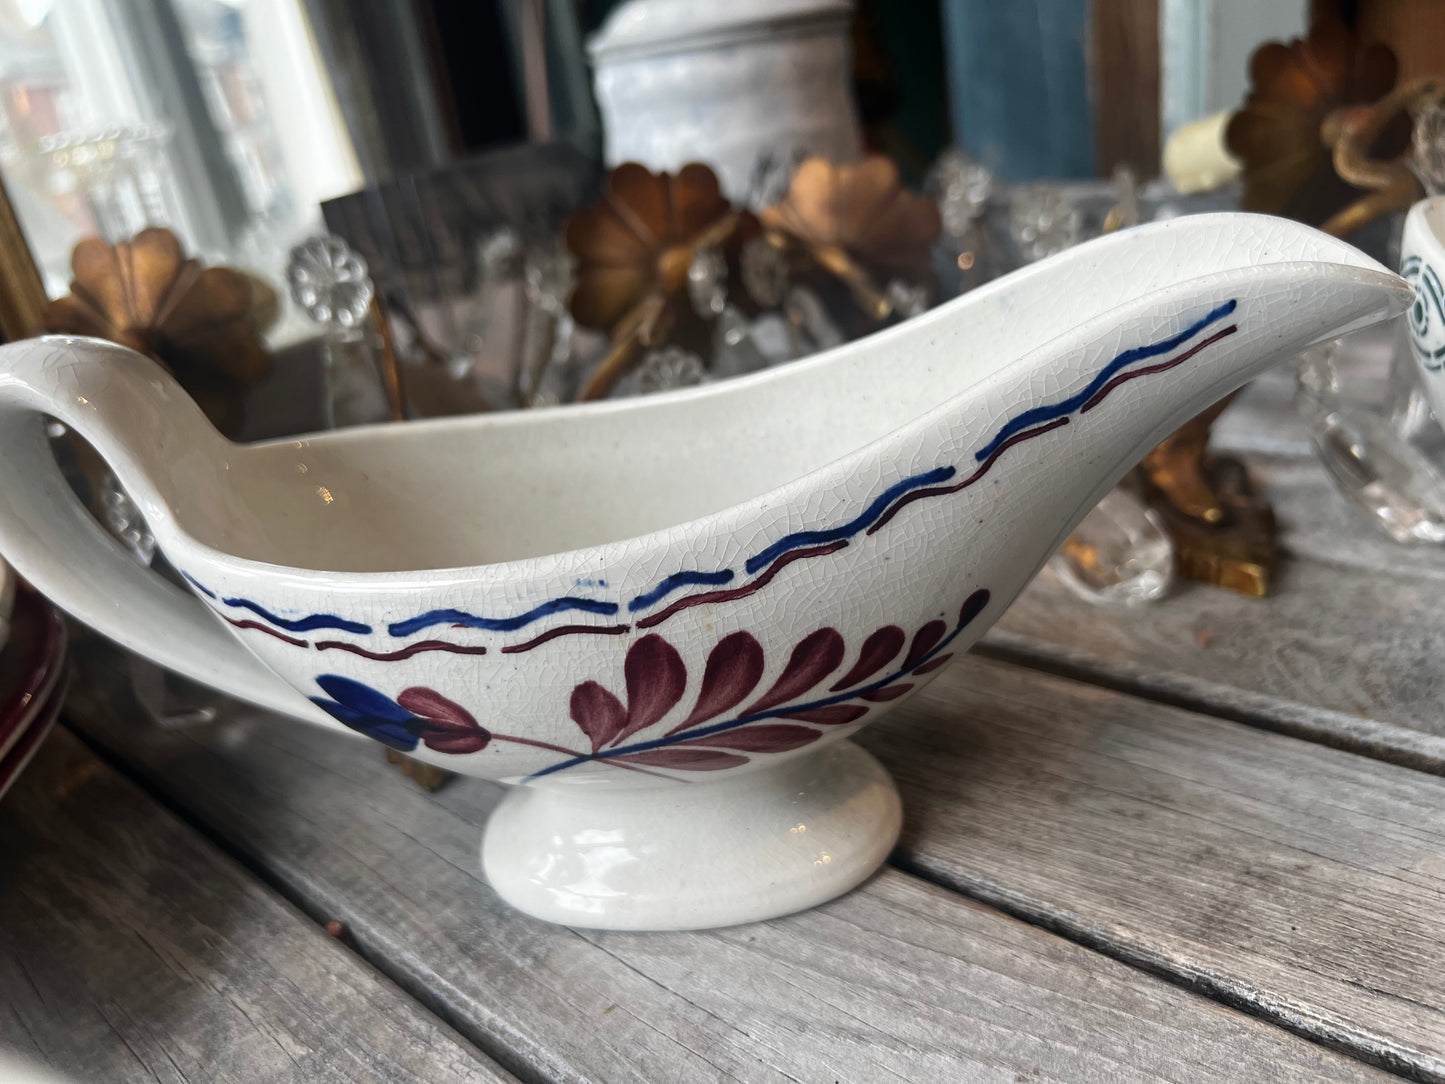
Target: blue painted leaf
[362, 699]
[340, 712]
[397, 735]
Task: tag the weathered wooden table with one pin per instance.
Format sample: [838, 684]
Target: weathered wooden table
[1201, 841]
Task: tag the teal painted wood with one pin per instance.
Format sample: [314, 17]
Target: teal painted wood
[1018, 85]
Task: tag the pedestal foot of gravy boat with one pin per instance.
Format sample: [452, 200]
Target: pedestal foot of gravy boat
[646, 855]
[665, 616]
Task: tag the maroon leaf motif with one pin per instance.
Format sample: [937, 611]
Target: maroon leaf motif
[816, 656]
[923, 641]
[692, 760]
[449, 728]
[934, 663]
[452, 738]
[656, 678]
[430, 704]
[878, 649]
[733, 670]
[836, 715]
[888, 692]
[973, 606]
[600, 714]
[762, 738]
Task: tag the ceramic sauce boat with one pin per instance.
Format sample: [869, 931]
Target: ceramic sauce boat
[662, 616]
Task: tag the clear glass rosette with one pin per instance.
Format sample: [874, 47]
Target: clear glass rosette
[331, 284]
[1374, 433]
[1369, 421]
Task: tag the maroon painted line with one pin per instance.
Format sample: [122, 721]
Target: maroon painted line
[402, 653]
[537, 744]
[13, 763]
[572, 753]
[1149, 370]
[565, 630]
[244, 623]
[984, 468]
[1029, 434]
[747, 589]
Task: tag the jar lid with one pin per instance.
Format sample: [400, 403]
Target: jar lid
[653, 27]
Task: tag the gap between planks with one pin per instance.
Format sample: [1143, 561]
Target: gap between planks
[1343, 654]
[1172, 842]
[132, 949]
[1233, 995]
[315, 908]
[1388, 742]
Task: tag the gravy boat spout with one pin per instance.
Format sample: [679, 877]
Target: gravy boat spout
[661, 614]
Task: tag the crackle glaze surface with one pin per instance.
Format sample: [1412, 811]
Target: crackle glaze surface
[608, 601]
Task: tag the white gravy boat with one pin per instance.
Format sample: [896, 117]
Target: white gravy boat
[662, 614]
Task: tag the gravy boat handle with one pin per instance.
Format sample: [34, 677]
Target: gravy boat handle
[136, 416]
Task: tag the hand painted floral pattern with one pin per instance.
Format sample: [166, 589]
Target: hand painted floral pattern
[729, 722]
[655, 681]
[417, 715]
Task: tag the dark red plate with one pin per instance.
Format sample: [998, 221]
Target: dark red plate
[31, 665]
[30, 737]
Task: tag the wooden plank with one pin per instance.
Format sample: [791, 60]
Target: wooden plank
[132, 950]
[1346, 651]
[900, 980]
[1300, 882]
[1348, 659]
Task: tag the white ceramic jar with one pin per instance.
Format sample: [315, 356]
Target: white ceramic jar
[726, 84]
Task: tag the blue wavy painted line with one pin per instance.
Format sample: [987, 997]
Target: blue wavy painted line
[676, 580]
[1030, 418]
[848, 530]
[498, 624]
[877, 508]
[198, 585]
[304, 624]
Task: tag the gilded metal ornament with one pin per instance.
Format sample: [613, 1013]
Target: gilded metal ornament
[634, 249]
[1223, 532]
[202, 323]
[859, 224]
[1277, 135]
